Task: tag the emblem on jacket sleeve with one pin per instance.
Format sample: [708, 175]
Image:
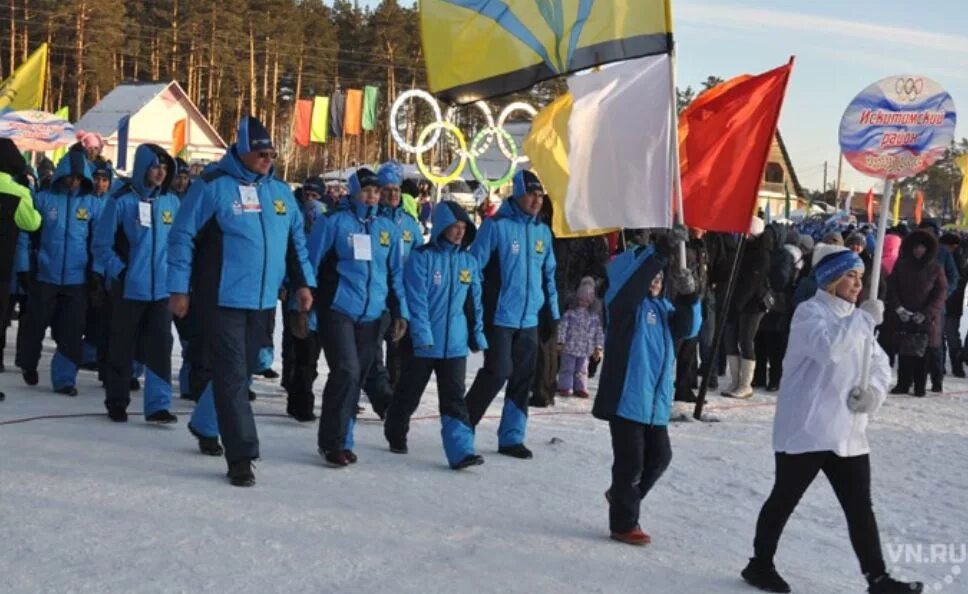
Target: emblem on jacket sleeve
[280, 207]
[539, 246]
[385, 238]
[407, 236]
[651, 319]
[82, 214]
[465, 277]
[166, 217]
[438, 277]
[515, 247]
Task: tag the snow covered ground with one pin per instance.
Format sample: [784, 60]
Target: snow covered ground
[90, 506]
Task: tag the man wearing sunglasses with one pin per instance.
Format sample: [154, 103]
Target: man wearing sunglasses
[238, 233]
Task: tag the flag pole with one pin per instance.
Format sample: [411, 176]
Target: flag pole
[876, 277]
[674, 138]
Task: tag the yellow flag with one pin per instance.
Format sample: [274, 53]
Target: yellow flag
[547, 147]
[25, 87]
[320, 119]
[56, 154]
[897, 207]
[962, 162]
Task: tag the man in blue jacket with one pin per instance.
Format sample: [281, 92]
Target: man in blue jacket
[131, 249]
[357, 259]
[446, 317]
[382, 379]
[57, 293]
[514, 250]
[238, 233]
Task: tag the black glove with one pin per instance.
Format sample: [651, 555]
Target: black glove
[669, 242]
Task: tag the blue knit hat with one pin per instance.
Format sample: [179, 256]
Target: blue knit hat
[360, 179]
[830, 262]
[389, 173]
[525, 181]
[252, 136]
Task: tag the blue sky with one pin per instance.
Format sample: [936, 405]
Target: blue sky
[841, 46]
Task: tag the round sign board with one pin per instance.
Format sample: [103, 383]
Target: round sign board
[897, 127]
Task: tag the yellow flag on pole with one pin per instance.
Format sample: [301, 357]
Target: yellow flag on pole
[897, 207]
[55, 155]
[24, 89]
[320, 119]
[962, 162]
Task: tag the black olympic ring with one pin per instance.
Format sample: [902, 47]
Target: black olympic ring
[911, 87]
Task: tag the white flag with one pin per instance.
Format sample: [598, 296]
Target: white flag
[621, 142]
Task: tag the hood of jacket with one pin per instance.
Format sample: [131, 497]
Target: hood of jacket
[232, 164]
[920, 237]
[146, 157]
[73, 163]
[510, 209]
[446, 214]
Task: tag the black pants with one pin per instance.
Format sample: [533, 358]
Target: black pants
[771, 347]
[5, 306]
[951, 343]
[509, 359]
[234, 339]
[289, 362]
[142, 330]
[302, 373]
[450, 392]
[60, 307]
[912, 370]
[348, 346]
[851, 480]
[546, 367]
[641, 455]
[741, 334]
[687, 367]
[934, 362]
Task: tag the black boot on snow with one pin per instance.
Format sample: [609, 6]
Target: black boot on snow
[206, 445]
[118, 415]
[161, 417]
[764, 576]
[888, 585]
[134, 384]
[240, 473]
[516, 451]
[31, 377]
[471, 460]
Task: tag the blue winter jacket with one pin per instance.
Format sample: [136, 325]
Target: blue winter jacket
[411, 234]
[238, 251]
[359, 289]
[125, 244]
[444, 291]
[63, 249]
[514, 252]
[638, 372]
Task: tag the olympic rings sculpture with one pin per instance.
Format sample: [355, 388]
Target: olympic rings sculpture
[911, 87]
[466, 155]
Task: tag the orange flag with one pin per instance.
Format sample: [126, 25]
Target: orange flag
[303, 121]
[353, 116]
[918, 207]
[725, 137]
[179, 136]
[870, 205]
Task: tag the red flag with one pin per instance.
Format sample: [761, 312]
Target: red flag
[870, 205]
[353, 116]
[918, 207]
[179, 138]
[303, 121]
[725, 137]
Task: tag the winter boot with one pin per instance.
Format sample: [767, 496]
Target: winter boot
[732, 361]
[516, 451]
[635, 536]
[759, 375]
[206, 445]
[743, 388]
[764, 576]
[467, 462]
[240, 473]
[888, 585]
[161, 417]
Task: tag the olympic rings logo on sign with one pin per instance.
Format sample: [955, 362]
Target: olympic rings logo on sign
[466, 155]
[909, 87]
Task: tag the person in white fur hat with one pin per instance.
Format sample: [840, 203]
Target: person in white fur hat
[821, 419]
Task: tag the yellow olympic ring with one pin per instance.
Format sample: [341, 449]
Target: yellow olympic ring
[461, 154]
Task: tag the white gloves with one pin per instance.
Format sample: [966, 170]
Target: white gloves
[875, 307]
[862, 400]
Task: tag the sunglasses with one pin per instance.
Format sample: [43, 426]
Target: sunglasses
[267, 154]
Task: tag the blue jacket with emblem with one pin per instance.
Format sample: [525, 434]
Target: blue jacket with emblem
[63, 242]
[444, 291]
[638, 370]
[236, 236]
[359, 289]
[514, 252]
[133, 243]
[411, 234]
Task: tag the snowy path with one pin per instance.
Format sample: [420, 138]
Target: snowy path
[89, 506]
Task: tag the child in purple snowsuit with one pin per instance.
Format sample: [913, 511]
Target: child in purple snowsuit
[580, 336]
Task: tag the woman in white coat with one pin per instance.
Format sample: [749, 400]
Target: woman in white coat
[821, 419]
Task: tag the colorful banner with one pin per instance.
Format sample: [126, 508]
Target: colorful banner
[25, 87]
[869, 203]
[302, 122]
[320, 120]
[34, 130]
[353, 113]
[918, 207]
[370, 94]
[897, 207]
[336, 104]
[477, 49]
[179, 139]
[55, 155]
[962, 162]
[897, 127]
[122, 161]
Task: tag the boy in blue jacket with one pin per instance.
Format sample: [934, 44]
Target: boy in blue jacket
[514, 252]
[57, 291]
[131, 249]
[637, 382]
[356, 256]
[446, 317]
